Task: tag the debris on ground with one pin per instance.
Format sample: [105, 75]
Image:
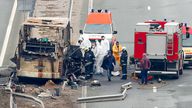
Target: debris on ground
[52, 98]
[150, 78]
[95, 83]
[134, 77]
[49, 84]
[151, 84]
[19, 88]
[159, 80]
[4, 99]
[73, 84]
[64, 85]
[45, 94]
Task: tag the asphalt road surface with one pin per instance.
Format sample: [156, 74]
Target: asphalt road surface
[24, 7]
[172, 94]
[126, 13]
[5, 7]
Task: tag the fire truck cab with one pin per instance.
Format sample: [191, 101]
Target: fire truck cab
[162, 42]
[98, 23]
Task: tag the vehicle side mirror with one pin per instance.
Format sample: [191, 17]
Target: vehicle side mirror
[114, 32]
[81, 31]
[187, 35]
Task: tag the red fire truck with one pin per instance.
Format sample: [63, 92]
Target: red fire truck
[162, 42]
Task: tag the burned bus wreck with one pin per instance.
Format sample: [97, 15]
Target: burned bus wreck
[43, 44]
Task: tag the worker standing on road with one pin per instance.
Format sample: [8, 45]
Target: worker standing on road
[123, 63]
[104, 48]
[145, 65]
[99, 55]
[113, 41]
[117, 49]
[105, 45]
[108, 64]
[94, 48]
[89, 59]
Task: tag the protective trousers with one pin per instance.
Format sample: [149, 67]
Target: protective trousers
[144, 76]
[99, 62]
[89, 71]
[124, 72]
[109, 74]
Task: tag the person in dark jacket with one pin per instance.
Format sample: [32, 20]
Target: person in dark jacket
[123, 63]
[108, 64]
[145, 65]
[89, 59]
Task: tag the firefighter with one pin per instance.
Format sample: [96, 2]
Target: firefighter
[117, 49]
[123, 63]
[89, 59]
[108, 64]
[83, 43]
[145, 65]
[79, 42]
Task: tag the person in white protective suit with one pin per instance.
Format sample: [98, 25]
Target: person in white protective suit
[103, 48]
[97, 50]
[105, 45]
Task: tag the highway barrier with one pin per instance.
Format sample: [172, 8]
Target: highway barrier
[113, 97]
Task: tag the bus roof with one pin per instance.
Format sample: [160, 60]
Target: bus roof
[99, 18]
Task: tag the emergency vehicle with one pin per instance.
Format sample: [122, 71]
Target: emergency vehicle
[98, 23]
[162, 42]
[187, 46]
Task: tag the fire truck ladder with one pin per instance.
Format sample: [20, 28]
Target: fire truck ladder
[170, 45]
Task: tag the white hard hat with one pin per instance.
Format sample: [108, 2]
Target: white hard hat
[124, 48]
[86, 48]
[81, 38]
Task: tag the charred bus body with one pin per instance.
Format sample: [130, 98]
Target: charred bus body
[44, 41]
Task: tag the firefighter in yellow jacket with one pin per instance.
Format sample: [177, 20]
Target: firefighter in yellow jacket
[117, 49]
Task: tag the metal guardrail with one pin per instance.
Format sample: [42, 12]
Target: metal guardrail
[14, 94]
[8, 87]
[70, 10]
[113, 97]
